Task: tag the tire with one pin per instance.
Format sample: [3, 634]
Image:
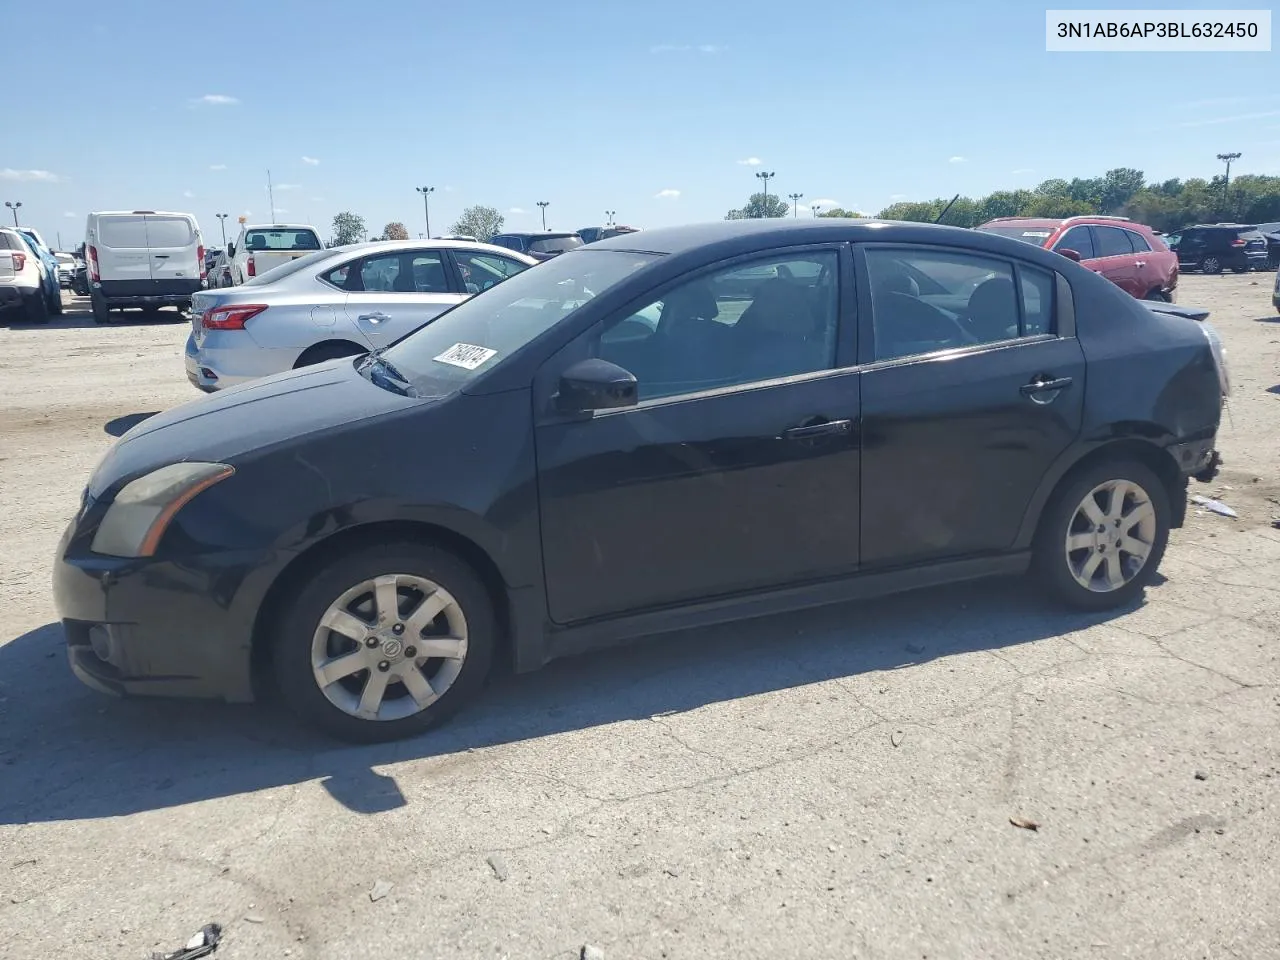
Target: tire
[347, 585]
[101, 312]
[55, 304]
[36, 309]
[1156, 295]
[330, 350]
[1057, 566]
[1210, 265]
[1240, 269]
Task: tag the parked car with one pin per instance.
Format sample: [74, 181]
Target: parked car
[80, 275]
[48, 267]
[592, 234]
[142, 258]
[219, 272]
[535, 473]
[334, 303]
[1213, 247]
[540, 246]
[1128, 254]
[210, 256]
[66, 268]
[24, 289]
[260, 247]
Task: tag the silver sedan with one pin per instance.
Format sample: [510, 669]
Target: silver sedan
[334, 303]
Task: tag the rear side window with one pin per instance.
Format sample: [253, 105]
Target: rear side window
[1112, 242]
[1139, 242]
[281, 240]
[123, 233]
[1079, 240]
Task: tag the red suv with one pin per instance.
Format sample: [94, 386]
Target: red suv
[1128, 254]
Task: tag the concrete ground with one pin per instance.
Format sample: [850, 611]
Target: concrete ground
[842, 784]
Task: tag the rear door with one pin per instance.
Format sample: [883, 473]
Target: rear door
[173, 249]
[393, 293]
[123, 254]
[1116, 260]
[963, 412]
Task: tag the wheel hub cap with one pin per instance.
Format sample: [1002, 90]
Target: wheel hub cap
[1110, 536]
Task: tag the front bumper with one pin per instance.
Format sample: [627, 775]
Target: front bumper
[151, 628]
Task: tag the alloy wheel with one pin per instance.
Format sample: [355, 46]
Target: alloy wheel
[389, 647]
[1111, 535]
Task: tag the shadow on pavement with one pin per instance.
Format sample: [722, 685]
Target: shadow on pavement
[122, 425]
[68, 753]
[78, 315]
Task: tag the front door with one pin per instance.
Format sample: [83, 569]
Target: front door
[394, 293]
[737, 470]
[1116, 259]
[963, 410]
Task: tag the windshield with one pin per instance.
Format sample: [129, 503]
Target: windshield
[1037, 235]
[287, 268]
[554, 244]
[479, 333]
[288, 239]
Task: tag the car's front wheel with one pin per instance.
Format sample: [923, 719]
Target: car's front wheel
[1210, 265]
[384, 642]
[1102, 537]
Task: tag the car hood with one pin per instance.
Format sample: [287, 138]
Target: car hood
[263, 413]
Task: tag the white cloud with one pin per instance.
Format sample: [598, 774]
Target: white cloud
[667, 194]
[826, 203]
[216, 99]
[957, 160]
[29, 176]
[1235, 119]
[188, 194]
[71, 214]
[517, 210]
[288, 186]
[709, 48]
[311, 161]
[750, 162]
[217, 166]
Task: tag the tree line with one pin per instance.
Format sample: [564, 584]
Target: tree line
[478, 221]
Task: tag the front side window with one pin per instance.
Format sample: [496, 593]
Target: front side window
[773, 318]
[972, 300]
[1079, 240]
[1112, 241]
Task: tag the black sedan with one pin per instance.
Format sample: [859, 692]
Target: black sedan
[661, 430]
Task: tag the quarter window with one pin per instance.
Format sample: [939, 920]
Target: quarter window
[1079, 240]
[1112, 242]
[1139, 242]
[774, 318]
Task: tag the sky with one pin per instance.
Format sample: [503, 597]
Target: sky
[663, 111]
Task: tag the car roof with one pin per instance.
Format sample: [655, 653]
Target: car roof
[393, 245]
[279, 226]
[537, 234]
[139, 213]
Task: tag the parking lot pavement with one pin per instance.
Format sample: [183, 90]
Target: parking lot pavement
[838, 784]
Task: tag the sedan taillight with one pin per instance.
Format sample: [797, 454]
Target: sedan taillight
[232, 317]
[1239, 243]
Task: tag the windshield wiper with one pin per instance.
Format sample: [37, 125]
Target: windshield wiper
[384, 370]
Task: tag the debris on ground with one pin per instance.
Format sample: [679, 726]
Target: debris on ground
[1024, 824]
[895, 738]
[1276, 523]
[1213, 506]
[591, 953]
[380, 890]
[1201, 775]
[254, 918]
[499, 866]
[202, 943]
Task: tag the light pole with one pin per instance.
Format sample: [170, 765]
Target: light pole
[814, 209]
[610, 214]
[14, 207]
[544, 204]
[222, 222]
[1226, 183]
[764, 178]
[795, 204]
[426, 205]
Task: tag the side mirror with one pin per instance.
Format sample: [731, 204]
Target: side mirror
[596, 385]
[231, 249]
[1069, 253]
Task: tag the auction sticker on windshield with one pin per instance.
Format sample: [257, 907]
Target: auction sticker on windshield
[468, 356]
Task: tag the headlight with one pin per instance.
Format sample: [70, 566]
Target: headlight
[138, 516]
[1219, 357]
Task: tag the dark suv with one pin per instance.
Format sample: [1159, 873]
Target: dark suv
[1213, 247]
[540, 246]
[592, 234]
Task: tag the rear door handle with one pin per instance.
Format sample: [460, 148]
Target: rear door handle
[1043, 389]
[376, 317]
[828, 428]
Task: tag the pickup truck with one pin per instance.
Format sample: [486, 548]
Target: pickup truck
[259, 247]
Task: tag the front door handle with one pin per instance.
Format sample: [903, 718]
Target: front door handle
[828, 428]
[1045, 389]
[376, 317]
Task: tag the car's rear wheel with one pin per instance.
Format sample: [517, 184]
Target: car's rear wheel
[1210, 265]
[55, 303]
[1103, 536]
[1157, 295]
[385, 642]
[36, 310]
[101, 312]
[329, 350]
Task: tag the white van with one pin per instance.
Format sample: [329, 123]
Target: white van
[142, 258]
